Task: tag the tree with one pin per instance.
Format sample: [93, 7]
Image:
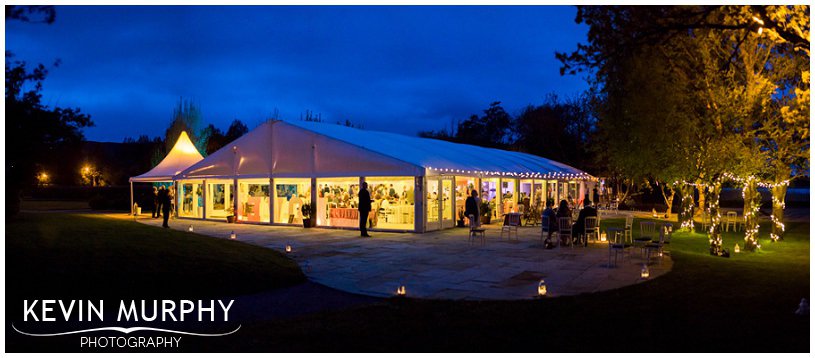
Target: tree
[236, 130]
[186, 117]
[35, 132]
[558, 130]
[216, 139]
[493, 129]
[715, 53]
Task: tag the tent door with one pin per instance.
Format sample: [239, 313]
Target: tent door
[447, 203]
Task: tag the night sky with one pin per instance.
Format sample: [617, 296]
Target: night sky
[401, 69]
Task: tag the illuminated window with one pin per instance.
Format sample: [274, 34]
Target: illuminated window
[290, 196]
[489, 194]
[393, 202]
[464, 186]
[253, 200]
[337, 202]
[219, 198]
[509, 198]
[190, 199]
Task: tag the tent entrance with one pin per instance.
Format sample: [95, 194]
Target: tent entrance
[440, 201]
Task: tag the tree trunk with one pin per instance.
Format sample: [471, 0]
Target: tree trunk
[779, 192]
[715, 233]
[701, 207]
[752, 203]
[686, 210]
[669, 198]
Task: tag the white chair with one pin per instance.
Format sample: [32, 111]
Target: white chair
[591, 229]
[511, 223]
[629, 228]
[656, 246]
[545, 225]
[564, 229]
[616, 244]
[647, 233]
[731, 221]
[476, 230]
[647, 229]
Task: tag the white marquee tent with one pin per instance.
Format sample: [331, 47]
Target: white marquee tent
[278, 148]
[182, 156]
[419, 184]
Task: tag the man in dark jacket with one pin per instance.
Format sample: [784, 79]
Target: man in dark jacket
[164, 199]
[156, 202]
[364, 209]
[579, 226]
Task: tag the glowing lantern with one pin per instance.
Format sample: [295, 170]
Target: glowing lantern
[288, 248]
[190, 229]
[401, 291]
[603, 236]
[645, 273]
[654, 213]
[736, 249]
[541, 288]
[233, 235]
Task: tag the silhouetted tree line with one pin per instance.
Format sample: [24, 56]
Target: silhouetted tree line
[558, 129]
[35, 132]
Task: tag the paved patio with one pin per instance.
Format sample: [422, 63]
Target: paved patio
[438, 265]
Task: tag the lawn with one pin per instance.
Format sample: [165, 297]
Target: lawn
[50, 255]
[741, 304]
[744, 303]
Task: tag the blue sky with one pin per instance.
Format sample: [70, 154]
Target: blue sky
[398, 68]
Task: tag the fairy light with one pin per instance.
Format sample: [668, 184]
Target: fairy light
[751, 197]
[715, 232]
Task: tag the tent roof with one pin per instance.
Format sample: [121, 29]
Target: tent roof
[183, 155]
[307, 149]
[441, 155]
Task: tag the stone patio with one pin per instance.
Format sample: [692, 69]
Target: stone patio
[438, 265]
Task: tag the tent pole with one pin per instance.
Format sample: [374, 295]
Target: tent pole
[272, 198]
[235, 198]
[132, 209]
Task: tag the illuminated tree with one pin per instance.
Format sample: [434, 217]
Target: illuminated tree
[739, 62]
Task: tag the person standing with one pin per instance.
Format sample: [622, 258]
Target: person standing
[595, 197]
[364, 209]
[165, 206]
[155, 203]
[159, 200]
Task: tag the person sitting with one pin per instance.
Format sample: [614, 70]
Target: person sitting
[471, 208]
[550, 217]
[579, 226]
[563, 211]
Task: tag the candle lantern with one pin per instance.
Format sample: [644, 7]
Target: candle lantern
[288, 248]
[736, 249]
[233, 235]
[645, 273]
[603, 236]
[542, 288]
[401, 291]
[190, 229]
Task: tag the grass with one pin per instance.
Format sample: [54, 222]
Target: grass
[741, 304]
[58, 255]
[51, 205]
